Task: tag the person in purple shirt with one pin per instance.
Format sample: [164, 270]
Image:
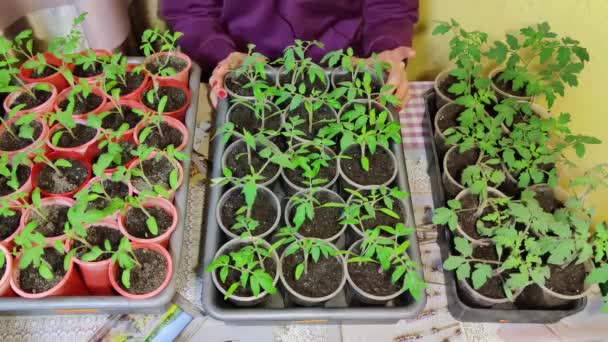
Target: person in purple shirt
[216, 32]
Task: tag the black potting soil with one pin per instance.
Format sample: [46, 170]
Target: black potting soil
[23, 174]
[237, 84]
[244, 118]
[456, 162]
[93, 70]
[569, 280]
[326, 173]
[263, 211]
[326, 221]
[79, 135]
[68, 180]
[8, 142]
[115, 119]
[46, 72]
[9, 224]
[174, 62]
[54, 224]
[468, 218]
[320, 118]
[381, 167]
[492, 288]
[383, 219]
[40, 97]
[546, 199]
[135, 222]
[96, 236]
[157, 172]
[240, 165]
[449, 118]
[320, 279]
[446, 84]
[372, 279]
[82, 105]
[167, 135]
[133, 81]
[148, 276]
[176, 98]
[30, 279]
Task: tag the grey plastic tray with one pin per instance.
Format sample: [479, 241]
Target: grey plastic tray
[458, 308]
[278, 307]
[119, 304]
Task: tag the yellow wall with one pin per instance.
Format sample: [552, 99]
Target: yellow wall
[584, 20]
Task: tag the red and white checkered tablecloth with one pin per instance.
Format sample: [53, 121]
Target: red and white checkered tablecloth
[414, 129]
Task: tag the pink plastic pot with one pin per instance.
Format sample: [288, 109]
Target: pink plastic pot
[55, 79]
[41, 109]
[114, 217]
[156, 202]
[181, 111]
[180, 175]
[181, 76]
[113, 272]
[95, 274]
[93, 79]
[39, 142]
[64, 95]
[47, 201]
[9, 242]
[5, 283]
[135, 95]
[61, 155]
[129, 103]
[86, 150]
[172, 122]
[70, 285]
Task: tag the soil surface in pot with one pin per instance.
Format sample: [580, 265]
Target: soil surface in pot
[125, 155]
[167, 135]
[157, 171]
[346, 76]
[114, 119]
[31, 281]
[70, 178]
[327, 173]
[133, 81]
[93, 70]
[40, 97]
[147, 277]
[23, 174]
[234, 276]
[57, 216]
[8, 142]
[46, 72]
[114, 190]
[322, 117]
[82, 134]
[320, 279]
[493, 287]
[135, 222]
[97, 236]
[238, 163]
[381, 167]
[507, 87]
[326, 221]
[467, 219]
[385, 220]
[176, 98]
[9, 224]
[457, 162]
[369, 277]
[174, 62]
[236, 83]
[244, 118]
[449, 118]
[446, 84]
[546, 199]
[82, 105]
[263, 211]
[318, 85]
[568, 281]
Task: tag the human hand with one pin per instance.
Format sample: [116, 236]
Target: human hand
[216, 81]
[397, 76]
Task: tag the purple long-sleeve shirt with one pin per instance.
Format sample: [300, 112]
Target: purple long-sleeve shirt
[214, 28]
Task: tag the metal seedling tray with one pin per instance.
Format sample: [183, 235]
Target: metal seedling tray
[458, 308]
[278, 308]
[118, 304]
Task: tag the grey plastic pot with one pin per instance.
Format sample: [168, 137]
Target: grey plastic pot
[270, 77]
[253, 300]
[363, 296]
[500, 94]
[312, 301]
[449, 111]
[360, 233]
[281, 71]
[354, 185]
[471, 296]
[234, 145]
[460, 232]
[236, 104]
[336, 198]
[275, 203]
[553, 299]
[365, 102]
[293, 188]
[442, 99]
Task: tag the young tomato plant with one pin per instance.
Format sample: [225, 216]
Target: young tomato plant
[305, 204]
[364, 206]
[31, 245]
[9, 168]
[253, 71]
[464, 262]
